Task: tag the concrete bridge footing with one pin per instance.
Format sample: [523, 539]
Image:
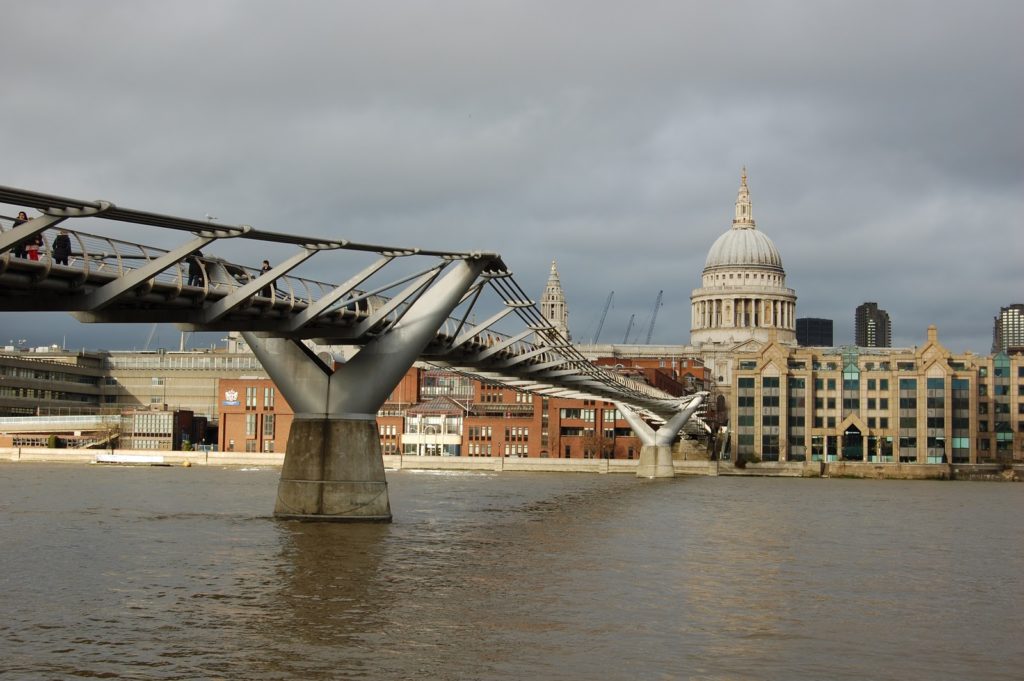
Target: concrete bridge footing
[655, 462]
[333, 471]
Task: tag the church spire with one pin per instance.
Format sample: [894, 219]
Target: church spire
[552, 304]
[744, 213]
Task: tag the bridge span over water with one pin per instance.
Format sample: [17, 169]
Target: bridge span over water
[460, 310]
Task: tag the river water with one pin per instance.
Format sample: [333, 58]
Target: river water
[175, 573]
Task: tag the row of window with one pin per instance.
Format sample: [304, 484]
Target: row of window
[185, 361]
[48, 376]
[268, 425]
[41, 394]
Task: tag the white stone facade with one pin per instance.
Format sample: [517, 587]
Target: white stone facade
[743, 294]
[552, 303]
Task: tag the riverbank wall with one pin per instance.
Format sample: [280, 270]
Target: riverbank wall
[779, 469]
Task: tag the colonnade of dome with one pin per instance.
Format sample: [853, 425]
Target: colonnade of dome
[743, 293]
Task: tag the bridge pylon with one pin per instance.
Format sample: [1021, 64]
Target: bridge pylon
[656, 446]
[333, 469]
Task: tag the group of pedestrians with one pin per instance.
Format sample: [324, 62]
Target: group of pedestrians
[61, 253]
[34, 245]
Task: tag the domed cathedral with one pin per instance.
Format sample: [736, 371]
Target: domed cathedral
[743, 294]
[552, 303]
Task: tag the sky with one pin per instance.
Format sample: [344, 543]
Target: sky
[882, 140]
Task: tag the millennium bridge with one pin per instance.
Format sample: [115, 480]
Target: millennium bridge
[463, 311]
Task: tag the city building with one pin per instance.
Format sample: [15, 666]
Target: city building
[552, 303]
[899, 405]
[48, 380]
[743, 294]
[254, 417]
[435, 412]
[1008, 330]
[161, 429]
[814, 332]
[63, 384]
[871, 327]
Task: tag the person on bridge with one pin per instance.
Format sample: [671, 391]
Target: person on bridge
[35, 244]
[62, 248]
[195, 270]
[19, 248]
[266, 291]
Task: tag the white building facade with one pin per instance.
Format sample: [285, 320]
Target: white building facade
[743, 294]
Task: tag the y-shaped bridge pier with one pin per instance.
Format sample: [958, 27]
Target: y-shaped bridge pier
[333, 469]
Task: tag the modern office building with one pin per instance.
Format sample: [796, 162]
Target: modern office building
[899, 405]
[49, 380]
[161, 429]
[814, 332]
[872, 328]
[1008, 330]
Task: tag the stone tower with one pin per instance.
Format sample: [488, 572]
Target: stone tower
[552, 303]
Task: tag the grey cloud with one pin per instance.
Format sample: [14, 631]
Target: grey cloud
[882, 139]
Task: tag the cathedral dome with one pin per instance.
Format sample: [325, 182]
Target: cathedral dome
[743, 294]
[743, 245]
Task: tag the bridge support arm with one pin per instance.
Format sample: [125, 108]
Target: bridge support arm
[333, 469]
[27, 230]
[656, 445]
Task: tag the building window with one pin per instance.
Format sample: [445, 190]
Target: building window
[268, 398]
[250, 426]
[268, 425]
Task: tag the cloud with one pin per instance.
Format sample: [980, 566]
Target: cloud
[882, 139]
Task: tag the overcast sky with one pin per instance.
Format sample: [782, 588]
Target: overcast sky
[883, 141]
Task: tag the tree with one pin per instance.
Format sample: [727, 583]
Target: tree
[603, 447]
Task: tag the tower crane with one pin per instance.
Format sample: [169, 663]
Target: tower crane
[604, 313]
[654, 317]
[629, 327]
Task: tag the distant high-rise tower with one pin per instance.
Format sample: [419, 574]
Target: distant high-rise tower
[871, 327]
[814, 332]
[552, 303]
[1008, 329]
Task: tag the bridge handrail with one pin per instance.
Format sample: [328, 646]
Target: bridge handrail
[101, 253]
[59, 419]
[547, 356]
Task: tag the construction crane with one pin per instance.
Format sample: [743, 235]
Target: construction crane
[654, 317]
[149, 338]
[629, 327]
[600, 324]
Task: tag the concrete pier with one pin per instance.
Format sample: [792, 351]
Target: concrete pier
[333, 471]
[655, 462]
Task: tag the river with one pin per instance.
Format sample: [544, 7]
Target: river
[181, 573]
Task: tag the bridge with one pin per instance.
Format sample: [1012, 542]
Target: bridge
[460, 310]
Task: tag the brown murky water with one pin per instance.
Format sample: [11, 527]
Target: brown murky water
[173, 573]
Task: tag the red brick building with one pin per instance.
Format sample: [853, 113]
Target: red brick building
[254, 416]
[434, 412]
